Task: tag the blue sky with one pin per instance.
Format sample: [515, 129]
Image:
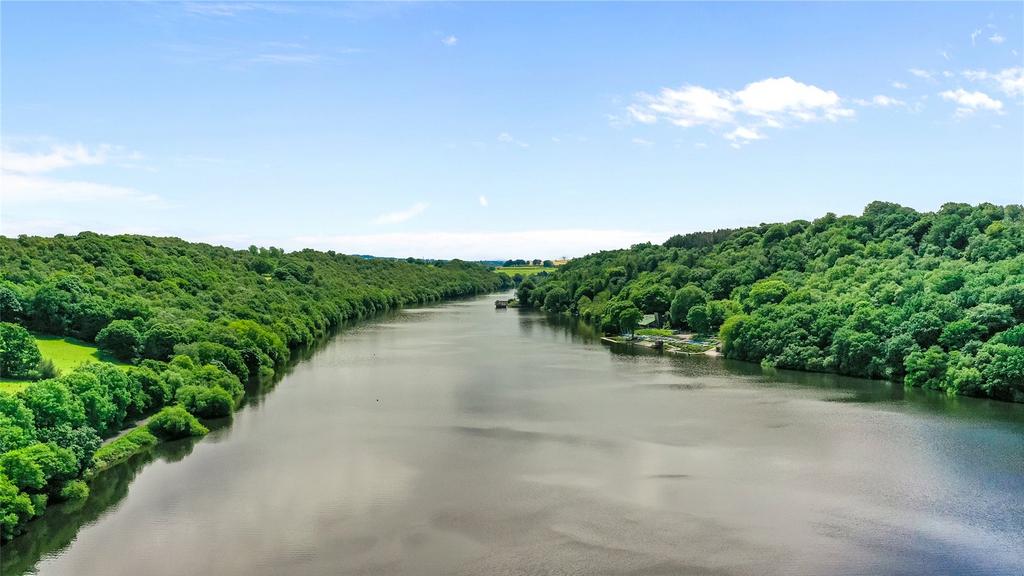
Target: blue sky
[498, 130]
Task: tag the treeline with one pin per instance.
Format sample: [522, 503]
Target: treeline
[535, 262]
[193, 322]
[934, 300]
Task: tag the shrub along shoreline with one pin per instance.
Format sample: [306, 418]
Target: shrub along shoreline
[192, 321]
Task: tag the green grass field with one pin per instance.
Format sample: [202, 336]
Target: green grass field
[66, 353]
[70, 353]
[12, 386]
[525, 271]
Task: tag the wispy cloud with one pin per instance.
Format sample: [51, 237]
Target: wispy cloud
[24, 179]
[898, 85]
[483, 200]
[974, 36]
[241, 55]
[970, 102]
[1009, 80]
[401, 215]
[24, 189]
[919, 73]
[881, 101]
[61, 156]
[743, 135]
[507, 138]
[286, 58]
[449, 40]
[996, 38]
[642, 142]
[768, 103]
[231, 9]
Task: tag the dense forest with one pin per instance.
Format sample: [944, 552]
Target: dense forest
[934, 300]
[191, 323]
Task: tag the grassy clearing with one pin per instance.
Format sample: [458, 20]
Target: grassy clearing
[524, 271]
[653, 332]
[70, 353]
[12, 386]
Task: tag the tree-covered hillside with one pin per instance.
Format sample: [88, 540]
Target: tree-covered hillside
[930, 299]
[191, 324]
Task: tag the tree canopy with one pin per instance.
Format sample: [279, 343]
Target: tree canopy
[194, 321]
[934, 299]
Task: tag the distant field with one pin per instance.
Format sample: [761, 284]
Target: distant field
[69, 353]
[525, 271]
[12, 386]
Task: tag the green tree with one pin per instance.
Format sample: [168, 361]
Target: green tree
[958, 333]
[655, 299]
[686, 297]
[83, 441]
[207, 352]
[19, 354]
[52, 404]
[206, 402]
[121, 339]
[926, 368]
[556, 300]
[159, 341]
[767, 292]
[17, 423]
[1002, 371]
[101, 413]
[175, 422]
[699, 319]
[10, 305]
[629, 319]
[15, 508]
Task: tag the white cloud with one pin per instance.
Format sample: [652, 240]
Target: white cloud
[401, 215]
[944, 53]
[507, 138]
[685, 107]
[785, 95]
[59, 156]
[899, 85]
[449, 40]
[996, 38]
[285, 58]
[231, 9]
[970, 102]
[768, 103]
[642, 142]
[25, 189]
[641, 116]
[881, 101]
[479, 245]
[743, 134]
[23, 179]
[974, 36]
[1010, 80]
[483, 200]
[923, 74]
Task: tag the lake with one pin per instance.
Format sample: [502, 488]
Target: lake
[460, 439]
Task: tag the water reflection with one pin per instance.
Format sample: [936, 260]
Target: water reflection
[467, 440]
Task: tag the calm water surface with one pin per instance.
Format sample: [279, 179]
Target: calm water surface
[463, 440]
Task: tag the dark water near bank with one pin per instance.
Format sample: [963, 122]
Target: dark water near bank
[464, 440]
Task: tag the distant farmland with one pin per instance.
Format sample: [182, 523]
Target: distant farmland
[525, 271]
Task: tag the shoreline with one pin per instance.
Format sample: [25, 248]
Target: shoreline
[138, 442]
